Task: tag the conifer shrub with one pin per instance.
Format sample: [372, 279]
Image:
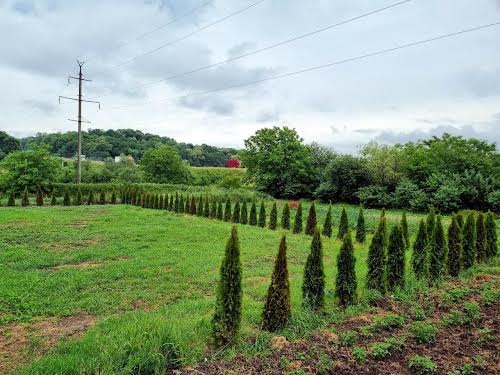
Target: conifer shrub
[39, 196]
[192, 207]
[66, 198]
[277, 308]
[343, 225]
[187, 204]
[396, 259]
[200, 206]
[454, 247]
[430, 222]
[420, 255]
[113, 197]
[273, 217]
[437, 252]
[285, 217]
[91, 198]
[133, 197]
[220, 212]
[376, 276]
[313, 295]
[253, 214]
[244, 212]
[182, 204]
[327, 226]
[102, 198]
[53, 201]
[12, 199]
[213, 208]
[176, 203]
[311, 220]
[262, 215]
[206, 208]
[297, 224]
[171, 203]
[491, 236]
[481, 243]
[460, 221]
[25, 198]
[160, 203]
[384, 227]
[346, 282]
[469, 242]
[79, 198]
[404, 228]
[360, 227]
[227, 211]
[227, 317]
[236, 212]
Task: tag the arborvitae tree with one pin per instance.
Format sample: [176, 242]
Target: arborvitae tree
[297, 224]
[213, 209]
[220, 211]
[346, 282]
[171, 202]
[182, 204]
[244, 212]
[437, 252]
[481, 243]
[277, 309]
[469, 242]
[90, 198]
[360, 227]
[491, 236]
[113, 197]
[376, 276]
[262, 215]
[227, 317]
[176, 203]
[79, 198]
[139, 202]
[313, 295]
[200, 206]
[145, 199]
[236, 212]
[454, 247]
[404, 228]
[192, 207]
[206, 208]
[53, 201]
[66, 199]
[160, 203]
[12, 199]
[383, 229]
[39, 196]
[460, 221]
[327, 226]
[273, 217]
[227, 211]
[285, 217]
[420, 255]
[343, 225]
[396, 259]
[24, 198]
[133, 197]
[253, 214]
[311, 220]
[187, 204]
[430, 223]
[102, 198]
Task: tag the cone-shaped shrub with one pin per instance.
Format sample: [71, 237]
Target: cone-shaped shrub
[460, 221]
[12, 199]
[396, 259]
[206, 208]
[171, 202]
[182, 204]
[176, 203]
[133, 198]
[376, 276]
[24, 198]
[313, 295]
[160, 203]
[113, 197]
[285, 217]
[297, 224]
[454, 247]
[384, 227]
[437, 252]
[491, 236]
[420, 255]
[227, 211]
[244, 212]
[39, 196]
[343, 225]
[192, 207]
[311, 220]
[236, 212]
[220, 212]
[262, 215]
[187, 205]
[404, 228]
[213, 208]
[346, 282]
[90, 198]
[66, 199]
[277, 309]
[139, 202]
[200, 206]
[273, 217]
[253, 213]
[79, 198]
[227, 317]
[469, 242]
[327, 226]
[53, 201]
[145, 198]
[430, 223]
[480, 238]
[360, 227]
[102, 198]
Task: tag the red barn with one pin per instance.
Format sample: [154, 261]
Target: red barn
[233, 163]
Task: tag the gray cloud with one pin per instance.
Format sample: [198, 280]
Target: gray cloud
[213, 104]
[268, 116]
[240, 49]
[42, 105]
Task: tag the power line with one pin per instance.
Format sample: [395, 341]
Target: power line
[189, 34]
[318, 67]
[267, 48]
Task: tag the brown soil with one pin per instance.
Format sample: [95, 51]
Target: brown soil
[79, 223]
[87, 265]
[63, 246]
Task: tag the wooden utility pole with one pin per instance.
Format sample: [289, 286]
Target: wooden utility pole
[80, 119]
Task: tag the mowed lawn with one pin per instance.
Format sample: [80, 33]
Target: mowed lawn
[118, 265]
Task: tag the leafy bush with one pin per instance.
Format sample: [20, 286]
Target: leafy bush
[387, 322]
[422, 364]
[423, 332]
[348, 338]
[375, 196]
[494, 201]
[385, 348]
[359, 354]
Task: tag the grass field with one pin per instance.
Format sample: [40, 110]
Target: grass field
[135, 279]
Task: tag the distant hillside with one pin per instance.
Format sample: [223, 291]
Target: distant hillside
[102, 144]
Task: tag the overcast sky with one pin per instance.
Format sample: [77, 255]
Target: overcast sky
[451, 85]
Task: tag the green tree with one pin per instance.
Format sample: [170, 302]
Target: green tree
[313, 295]
[227, 211]
[297, 225]
[24, 198]
[311, 220]
[430, 223]
[39, 196]
[277, 309]
[273, 217]
[12, 199]
[164, 165]
[396, 259]
[66, 198]
[220, 212]
[469, 242]
[177, 203]
[53, 201]
[438, 252]
[420, 255]
[491, 236]
[113, 197]
[236, 212]
[227, 317]
[102, 197]
[213, 208]
[360, 227]
[454, 247]
[460, 220]
[244, 212]
[346, 282]
[90, 198]
[8, 144]
[404, 228]
[206, 209]
[253, 213]
[192, 206]
[327, 226]
[481, 243]
[285, 217]
[343, 225]
[262, 215]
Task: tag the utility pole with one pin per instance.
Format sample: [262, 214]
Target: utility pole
[80, 119]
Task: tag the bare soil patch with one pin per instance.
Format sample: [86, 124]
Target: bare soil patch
[87, 264]
[64, 246]
[79, 223]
